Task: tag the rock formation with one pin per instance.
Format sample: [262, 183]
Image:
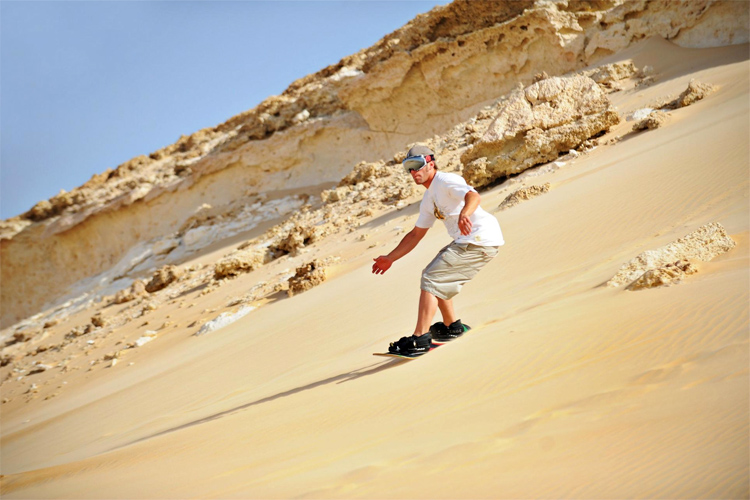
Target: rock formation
[693, 93]
[137, 289]
[422, 79]
[536, 124]
[162, 278]
[307, 276]
[523, 194]
[240, 262]
[655, 119]
[666, 275]
[703, 244]
[609, 75]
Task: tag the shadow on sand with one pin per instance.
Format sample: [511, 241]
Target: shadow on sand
[338, 379]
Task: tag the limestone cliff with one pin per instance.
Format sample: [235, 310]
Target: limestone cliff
[422, 79]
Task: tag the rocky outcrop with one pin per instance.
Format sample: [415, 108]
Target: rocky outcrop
[703, 244]
[666, 275]
[655, 119]
[609, 75]
[366, 190]
[422, 79]
[136, 290]
[523, 194]
[695, 92]
[240, 262]
[162, 278]
[536, 124]
[307, 276]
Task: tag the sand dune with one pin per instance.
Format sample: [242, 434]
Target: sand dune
[565, 388]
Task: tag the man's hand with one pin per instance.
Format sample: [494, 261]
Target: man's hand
[471, 202]
[382, 264]
[406, 245]
[464, 224]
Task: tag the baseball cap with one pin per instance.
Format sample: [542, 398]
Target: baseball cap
[420, 150]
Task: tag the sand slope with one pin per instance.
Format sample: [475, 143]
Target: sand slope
[565, 388]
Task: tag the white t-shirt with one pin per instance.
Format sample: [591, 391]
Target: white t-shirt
[444, 200]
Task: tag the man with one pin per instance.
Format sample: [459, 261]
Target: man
[476, 239]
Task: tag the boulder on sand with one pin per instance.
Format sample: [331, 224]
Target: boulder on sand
[537, 124]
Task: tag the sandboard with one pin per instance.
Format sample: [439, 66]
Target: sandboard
[433, 346]
[406, 356]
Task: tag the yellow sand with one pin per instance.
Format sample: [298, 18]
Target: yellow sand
[564, 388]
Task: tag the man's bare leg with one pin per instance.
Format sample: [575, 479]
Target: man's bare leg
[446, 309]
[428, 305]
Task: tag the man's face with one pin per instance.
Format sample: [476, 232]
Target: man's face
[424, 174]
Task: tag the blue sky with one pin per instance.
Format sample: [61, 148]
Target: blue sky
[87, 85]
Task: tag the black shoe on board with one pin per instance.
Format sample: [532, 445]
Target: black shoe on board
[411, 345]
[442, 333]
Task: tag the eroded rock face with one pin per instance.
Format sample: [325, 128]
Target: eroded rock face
[655, 119]
[703, 244]
[162, 278]
[523, 194]
[608, 75]
[367, 188]
[694, 92]
[240, 262]
[666, 275]
[298, 236]
[136, 290]
[98, 320]
[366, 172]
[537, 124]
[308, 276]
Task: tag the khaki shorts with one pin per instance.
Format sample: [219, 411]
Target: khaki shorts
[453, 266]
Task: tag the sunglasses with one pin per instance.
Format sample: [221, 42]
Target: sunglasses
[415, 163]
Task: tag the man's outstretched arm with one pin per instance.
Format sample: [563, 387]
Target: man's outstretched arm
[406, 245]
